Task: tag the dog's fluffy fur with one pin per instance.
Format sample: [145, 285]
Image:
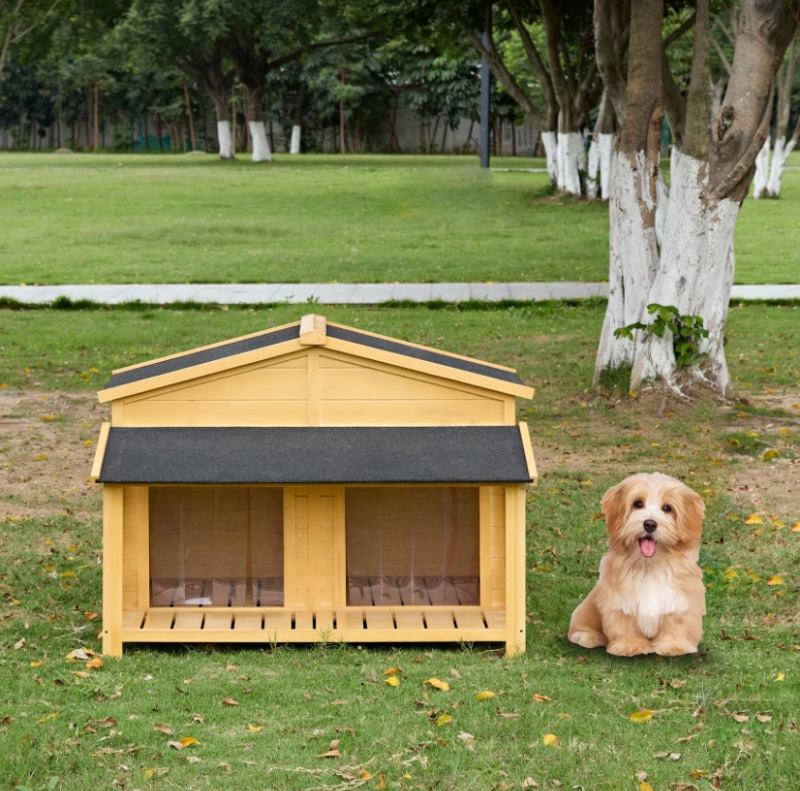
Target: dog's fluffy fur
[650, 596]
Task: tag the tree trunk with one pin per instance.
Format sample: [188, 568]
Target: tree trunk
[601, 150]
[225, 142]
[550, 143]
[711, 174]
[571, 156]
[254, 113]
[761, 177]
[190, 116]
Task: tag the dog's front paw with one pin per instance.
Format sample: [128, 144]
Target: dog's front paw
[588, 638]
[629, 647]
[674, 649]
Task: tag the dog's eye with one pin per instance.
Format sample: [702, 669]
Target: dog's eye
[666, 509]
[638, 504]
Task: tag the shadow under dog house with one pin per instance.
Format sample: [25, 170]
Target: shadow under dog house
[314, 482]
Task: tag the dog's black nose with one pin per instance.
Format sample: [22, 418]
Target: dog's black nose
[650, 525]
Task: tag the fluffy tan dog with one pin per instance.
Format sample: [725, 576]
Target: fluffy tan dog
[650, 597]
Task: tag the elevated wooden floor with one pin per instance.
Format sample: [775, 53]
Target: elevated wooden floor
[351, 624]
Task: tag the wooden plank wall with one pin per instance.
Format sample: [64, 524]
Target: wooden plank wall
[317, 388]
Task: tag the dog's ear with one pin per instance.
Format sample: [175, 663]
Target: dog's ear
[614, 506]
[691, 510]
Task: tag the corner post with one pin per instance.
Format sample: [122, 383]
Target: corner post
[112, 569]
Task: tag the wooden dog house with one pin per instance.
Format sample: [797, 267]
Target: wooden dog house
[314, 482]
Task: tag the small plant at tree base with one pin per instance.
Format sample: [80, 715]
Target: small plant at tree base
[686, 332]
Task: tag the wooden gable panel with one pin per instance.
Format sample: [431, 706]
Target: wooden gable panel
[354, 393]
[258, 395]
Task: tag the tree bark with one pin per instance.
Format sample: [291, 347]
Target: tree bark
[711, 173]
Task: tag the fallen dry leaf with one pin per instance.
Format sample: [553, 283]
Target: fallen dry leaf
[392, 681]
[443, 719]
[230, 702]
[643, 715]
[540, 698]
[108, 722]
[392, 671]
[550, 740]
[254, 728]
[163, 728]
[437, 684]
[487, 694]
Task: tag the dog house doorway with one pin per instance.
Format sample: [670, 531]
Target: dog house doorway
[413, 546]
[216, 546]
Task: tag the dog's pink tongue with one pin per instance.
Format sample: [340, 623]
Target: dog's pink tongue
[648, 546]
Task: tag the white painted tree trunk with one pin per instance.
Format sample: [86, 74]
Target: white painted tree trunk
[294, 146]
[549, 141]
[694, 272]
[695, 275]
[225, 139]
[258, 134]
[593, 170]
[632, 262]
[779, 156]
[761, 176]
[571, 157]
[606, 146]
[598, 168]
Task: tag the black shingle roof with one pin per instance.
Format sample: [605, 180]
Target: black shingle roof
[292, 332]
[284, 455]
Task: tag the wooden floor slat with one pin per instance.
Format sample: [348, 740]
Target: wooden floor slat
[262, 624]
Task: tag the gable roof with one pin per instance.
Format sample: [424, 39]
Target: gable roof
[311, 330]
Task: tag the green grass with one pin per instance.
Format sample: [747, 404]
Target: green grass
[110, 218]
[724, 713]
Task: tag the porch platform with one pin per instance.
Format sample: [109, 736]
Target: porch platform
[277, 625]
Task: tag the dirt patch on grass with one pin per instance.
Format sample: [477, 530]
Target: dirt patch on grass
[47, 445]
[769, 474]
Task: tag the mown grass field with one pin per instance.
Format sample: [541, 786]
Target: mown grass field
[105, 218]
[277, 717]
[266, 716]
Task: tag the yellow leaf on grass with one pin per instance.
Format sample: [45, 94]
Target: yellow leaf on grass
[392, 671]
[188, 741]
[775, 580]
[769, 455]
[437, 684]
[94, 663]
[254, 728]
[754, 519]
[780, 677]
[796, 527]
[485, 695]
[36, 664]
[643, 715]
[392, 681]
[540, 698]
[443, 719]
[51, 716]
[645, 786]
[550, 740]
[731, 573]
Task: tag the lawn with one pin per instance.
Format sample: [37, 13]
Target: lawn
[195, 717]
[107, 218]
